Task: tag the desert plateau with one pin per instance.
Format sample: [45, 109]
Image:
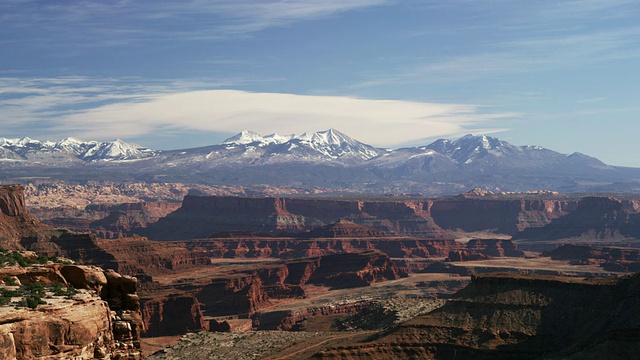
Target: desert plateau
[224, 276]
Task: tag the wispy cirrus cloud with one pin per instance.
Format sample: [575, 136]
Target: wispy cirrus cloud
[535, 37]
[108, 110]
[534, 54]
[99, 24]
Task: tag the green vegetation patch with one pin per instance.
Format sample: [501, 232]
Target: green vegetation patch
[33, 294]
[13, 257]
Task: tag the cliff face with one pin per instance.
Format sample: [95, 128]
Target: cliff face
[193, 219]
[101, 320]
[12, 200]
[138, 255]
[502, 216]
[132, 256]
[294, 248]
[15, 223]
[106, 220]
[201, 217]
[173, 315]
[345, 270]
[596, 218]
[523, 317]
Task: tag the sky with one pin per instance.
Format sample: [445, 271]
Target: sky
[562, 74]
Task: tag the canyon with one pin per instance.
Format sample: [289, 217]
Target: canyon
[429, 218]
[505, 316]
[234, 263]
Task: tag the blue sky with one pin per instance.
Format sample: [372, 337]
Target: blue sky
[166, 74]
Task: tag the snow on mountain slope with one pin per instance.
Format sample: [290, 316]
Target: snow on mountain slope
[117, 150]
[329, 147]
[27, 148]
[484, 151]
[325, 146]
[250, 137]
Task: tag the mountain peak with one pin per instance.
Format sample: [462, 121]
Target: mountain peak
[327, 137]
[70, 140]
[244, 137]
[324, 145]
[247, 137]
[26, 141]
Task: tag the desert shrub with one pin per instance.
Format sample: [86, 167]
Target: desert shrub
[12, 257]
[33, 300]
[33, 294]
[6, 295]
[59, 289]
[9, 281]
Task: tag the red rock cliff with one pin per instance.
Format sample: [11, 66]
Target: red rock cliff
[15, 223]
[203, 216]
[502, 216]
[595, 219]
[12, 200]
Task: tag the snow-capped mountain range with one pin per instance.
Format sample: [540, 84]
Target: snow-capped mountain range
[26, 148]
[328, 159]
[324, 145]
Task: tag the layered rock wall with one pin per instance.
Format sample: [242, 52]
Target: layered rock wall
[202, 216]
[15, 222]
[172, 315]
[12, 200]
[107, 221]
[598, 219]
[218, 214]
[502, 216]
[294, 248]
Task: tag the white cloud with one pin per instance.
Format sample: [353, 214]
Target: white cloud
[379, 122]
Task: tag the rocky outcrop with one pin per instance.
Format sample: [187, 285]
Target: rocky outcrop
[507, 316]
[100, 319]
